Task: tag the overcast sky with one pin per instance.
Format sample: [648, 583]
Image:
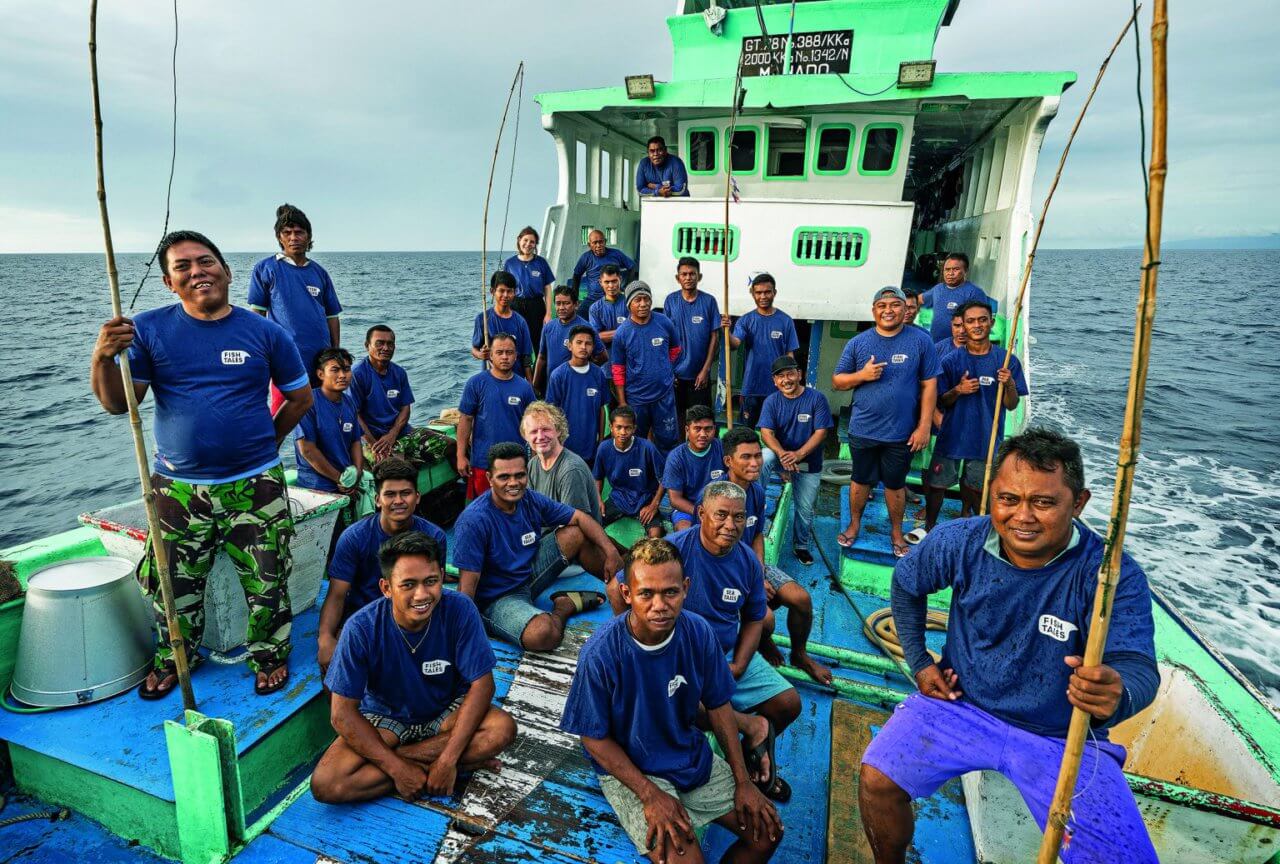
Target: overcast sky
[378, 118]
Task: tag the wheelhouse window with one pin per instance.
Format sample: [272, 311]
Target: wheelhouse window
[702, 151]
[786, 152]
[880, 148]
[835, 150]
[743, 150]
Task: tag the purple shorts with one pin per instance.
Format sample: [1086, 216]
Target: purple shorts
[928, 742]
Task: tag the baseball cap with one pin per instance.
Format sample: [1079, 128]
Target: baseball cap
[889, 291]
[783, 363]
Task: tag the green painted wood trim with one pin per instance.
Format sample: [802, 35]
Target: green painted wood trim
[863, 247]
[122, 810]
[715, 151]
[849, 153]
[869, 694]
[267, 765]
[875, 579]
[195, 763]
[876, 664]
[780, 527]
[679, 249]
[897, 149]
[783, 178]
[225, 734]
[728, 145]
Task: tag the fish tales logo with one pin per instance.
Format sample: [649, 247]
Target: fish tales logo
[1055, 628]
[234, 358]
[899, 358]
[313, 290]
[674, 684]
[435, 667]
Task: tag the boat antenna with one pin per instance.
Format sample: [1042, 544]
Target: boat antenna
[135, 419]
[730, 192]
[484, 231]
[1130, 436]
[1016, 319]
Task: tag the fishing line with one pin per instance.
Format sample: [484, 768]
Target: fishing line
[515, 143]
[173, 161]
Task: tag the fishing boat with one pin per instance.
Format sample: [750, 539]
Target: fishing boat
[853, 160]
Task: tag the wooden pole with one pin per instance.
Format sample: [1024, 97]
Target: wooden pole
[484, 231]
[154, 529]
[725, 243]
[1130, 437]
[1016, 319]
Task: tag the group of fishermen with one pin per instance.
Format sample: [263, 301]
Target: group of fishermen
[689, 649]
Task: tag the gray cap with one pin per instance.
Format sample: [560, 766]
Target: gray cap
[636, 288]
[889, 291]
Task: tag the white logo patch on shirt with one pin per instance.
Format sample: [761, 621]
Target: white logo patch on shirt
[899, 358]
[803, 418]
[634, 472]
[566, 343]
[952, 305]
[674, 684]
[696, 319]
[535, 272]
[986, 380]
[391, 394]
[731, 595]
[1055, 628]
[591, 391]
[513, 400]
[313, 290]
[435, 667]
[775, 334]
[234, 358]
[346, 427]
[529, 539]
[622, 318]
[656, 341]
[751, 520]
[717, 474]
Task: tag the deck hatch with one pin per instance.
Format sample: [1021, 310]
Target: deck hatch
[829, 246]
[703, 240]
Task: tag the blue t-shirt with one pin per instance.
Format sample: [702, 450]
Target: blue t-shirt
[587, 271]
[555, 341]
[765, 338]
[503, 548]
[355, 557]
[671, 173]
[943, 347]
[886, 409]
[532, 277]
[687, 472]
[944, 301]
[515, 325]
[632, 475]
[721, 587]
[754, 510]
[793, 422]
[299, 299]
[644, 350]
[581, 395]
[331, 426]
[966, 426]
[372, 663]
[696, 323]
[1010, 628]
[380, 397]
[606, 316]
[496, 407]
[209, 380]
[647, 700]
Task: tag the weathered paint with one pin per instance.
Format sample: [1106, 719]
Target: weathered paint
[199, 798]
[850, 735]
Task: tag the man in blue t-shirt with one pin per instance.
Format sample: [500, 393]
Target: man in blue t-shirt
[554, 348]
[382, 392]
[766, 334]
[794, 423]
[1000, 698]
[502, 318]
[580, 389]
[642, 682]
[951, 293]
[411, 683]
[492, 403]
[633, 469]
[511, 543]
[893, 373]
[327, 440]
[943, 347]
[697, 317]
[611, 309]
[661, 175]
[353, 567]
[967, 394]
[645, 350]
[218, 479]
[590, 263]
[692, 465]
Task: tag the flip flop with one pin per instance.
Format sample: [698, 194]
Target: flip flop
[775, 788]
[581, 599]
[915, 535]
[844, 540]
[900, 550]
[268, 688]
[159, 692]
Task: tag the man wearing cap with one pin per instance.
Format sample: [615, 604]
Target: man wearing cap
[767, 333]
[892, 371]
[592, 262]
[645, 350]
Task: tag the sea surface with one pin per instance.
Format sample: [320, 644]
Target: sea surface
[1205, 517]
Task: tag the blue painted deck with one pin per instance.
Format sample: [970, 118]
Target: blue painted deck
[73, 839]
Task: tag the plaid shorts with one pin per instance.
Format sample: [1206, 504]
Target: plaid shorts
[412, 733]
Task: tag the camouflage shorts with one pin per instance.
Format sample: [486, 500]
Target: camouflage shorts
[248, 518]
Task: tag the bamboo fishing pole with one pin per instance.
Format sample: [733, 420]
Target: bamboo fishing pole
[1011, 340]
[154, 529]
[725, 242]
[484, 231]
[1130, 437]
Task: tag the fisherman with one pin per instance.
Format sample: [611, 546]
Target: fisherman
[217, 478]
[354, 570]
[692, 465]
[893, 373]
[502, 319]
[296, 293]
[767, 333]
[382, 392]
[951, 293]
[593, 260]
[696, 315]
[492, 403]
[534, 279]
[327, 439]
[632, 467]
[967, 394]
[645, 350]
[794, 423]
[913, 307]
[1022, 582]
[646, 685]
[553, 351]
[505, 560]
[580, 389]
[611, 309]
[662, 175]
[412, 683]
[943, 347]
[554, 470]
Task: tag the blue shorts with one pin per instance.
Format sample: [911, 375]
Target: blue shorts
[775, 577]
[680, 519]
[928, 741]
[660, 417]
[758, 684]
[507, 616]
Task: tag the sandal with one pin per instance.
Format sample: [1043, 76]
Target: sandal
[775, 788]
[845, 541]
[900, 550]
[583, 601]
[167, 672]
[266, 687]
[915, 535]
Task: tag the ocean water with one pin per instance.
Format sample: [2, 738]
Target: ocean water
[1205, 516]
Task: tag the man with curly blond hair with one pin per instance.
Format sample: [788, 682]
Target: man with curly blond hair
[555, 470]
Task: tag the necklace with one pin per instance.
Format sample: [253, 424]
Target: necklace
[413, 649]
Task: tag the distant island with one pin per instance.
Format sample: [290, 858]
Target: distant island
[1260, 242]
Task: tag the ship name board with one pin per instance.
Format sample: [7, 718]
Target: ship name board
[819, 53]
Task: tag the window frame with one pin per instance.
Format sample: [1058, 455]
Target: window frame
[849, 156]
[804, 162]
[728, 156]
[897, 149]
[715, 151]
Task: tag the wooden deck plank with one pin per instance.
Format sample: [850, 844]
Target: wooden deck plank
[850, 735]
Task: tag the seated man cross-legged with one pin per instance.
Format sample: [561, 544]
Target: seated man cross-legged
[647, 684]
[633, 468]
[692, 465]
[412, 680]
